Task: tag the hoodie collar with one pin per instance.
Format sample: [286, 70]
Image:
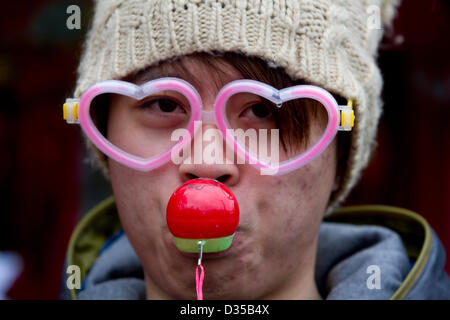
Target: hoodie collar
[354, 244]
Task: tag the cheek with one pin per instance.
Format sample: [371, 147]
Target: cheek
[122, 132]
[140, 199]
[115, 124]
[293, 205]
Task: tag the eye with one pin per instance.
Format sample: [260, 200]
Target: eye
[258, 110]
[163, 105]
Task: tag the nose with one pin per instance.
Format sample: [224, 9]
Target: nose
[222, 169]
[223, 172]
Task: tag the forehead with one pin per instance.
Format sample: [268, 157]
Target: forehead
[205, 74]
[201, 72]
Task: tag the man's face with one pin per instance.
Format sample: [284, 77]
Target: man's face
[273, 253]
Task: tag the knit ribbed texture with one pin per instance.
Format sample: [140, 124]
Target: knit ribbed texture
[324, 42]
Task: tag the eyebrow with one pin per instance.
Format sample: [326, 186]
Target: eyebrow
[152, 74]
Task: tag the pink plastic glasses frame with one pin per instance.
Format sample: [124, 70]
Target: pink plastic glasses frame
[216, 116]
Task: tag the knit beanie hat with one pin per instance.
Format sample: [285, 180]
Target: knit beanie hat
[329, 43]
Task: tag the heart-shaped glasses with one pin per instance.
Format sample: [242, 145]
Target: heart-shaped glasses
[146, 126]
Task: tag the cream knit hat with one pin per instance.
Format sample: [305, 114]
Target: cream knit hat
[329, 43]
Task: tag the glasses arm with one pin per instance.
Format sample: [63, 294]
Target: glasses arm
[346, 117]
[70, 111]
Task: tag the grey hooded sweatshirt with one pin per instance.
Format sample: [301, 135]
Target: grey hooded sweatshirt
[364, 252]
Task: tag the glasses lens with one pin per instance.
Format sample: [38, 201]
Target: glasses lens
[272, 134]
[143, 128]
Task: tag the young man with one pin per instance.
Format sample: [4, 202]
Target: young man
[282, 249]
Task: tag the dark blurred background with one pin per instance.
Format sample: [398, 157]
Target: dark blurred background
[45, 186]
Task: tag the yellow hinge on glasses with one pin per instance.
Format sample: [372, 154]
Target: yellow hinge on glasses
[347, 117]
[70, 110]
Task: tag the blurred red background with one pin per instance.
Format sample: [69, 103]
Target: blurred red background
[45, 186]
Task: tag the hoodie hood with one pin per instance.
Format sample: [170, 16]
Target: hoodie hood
[364, 252]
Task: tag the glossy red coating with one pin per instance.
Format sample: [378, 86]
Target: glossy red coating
[202, 209]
